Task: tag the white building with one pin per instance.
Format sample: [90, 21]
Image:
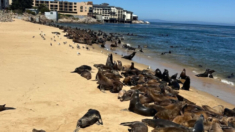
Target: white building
[52, 15]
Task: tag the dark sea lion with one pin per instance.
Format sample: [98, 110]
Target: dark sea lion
[158, 73]
[35, 130]
[119, 65]
[183, 74]
[136, 107]
[136, 126]
[91, 117]
[165, 76]
[174, 84]
[3, 107]
[129, 57]
[160, 123]
[205, 74]
[199, 126]
[109, 62]
[228, 112]
[81, 69]
[174, 76]
[186, 85]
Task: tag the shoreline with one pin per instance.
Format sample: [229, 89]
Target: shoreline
[36, 80]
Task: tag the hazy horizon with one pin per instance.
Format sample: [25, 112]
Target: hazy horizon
[211, 11]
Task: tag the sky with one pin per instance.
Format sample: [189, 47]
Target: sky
[216, 11]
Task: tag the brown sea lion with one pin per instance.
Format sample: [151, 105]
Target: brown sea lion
[219, 109]
[129, 57]
[91, 117]
[136, 107]
[228, 112]
[208, 108]
[109, 62]
[136, 126]
[183, 74]
[81, 69]
[119, 65]
[216, 128]
[181, 119]
[35, 130]
[171, 129]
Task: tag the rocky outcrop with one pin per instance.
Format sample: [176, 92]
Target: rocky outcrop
[86, 20]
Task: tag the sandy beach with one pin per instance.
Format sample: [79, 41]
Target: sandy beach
[36, 79]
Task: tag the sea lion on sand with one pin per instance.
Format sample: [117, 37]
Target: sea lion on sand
[205, 74]
[183, 74]
[81, 69]
[136, 126]
[119, 65]
[35, 130]
[186, 85]
[174, 84]
[228, 112]
[160, 123]
[3, 107]
[158, 73]
[129, 57]
[109, 61]
[216, 128]
[171, 129]
[199, 126]
[136, 107]
[165, 76]
[125, 95]
[174, 76]
[91, 117]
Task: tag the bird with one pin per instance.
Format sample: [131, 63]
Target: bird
[58, 43]
[51, 44]
[87, 48]
[101, 51]
[33, 36]
[78, 53]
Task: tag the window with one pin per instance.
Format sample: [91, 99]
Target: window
[81, 10]
[85, 7]
[51, 12]
[81, 7]
[85, 11]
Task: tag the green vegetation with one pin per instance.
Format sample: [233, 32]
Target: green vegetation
[20, 5]
[61, 16]
[30, 12]
[43, 8]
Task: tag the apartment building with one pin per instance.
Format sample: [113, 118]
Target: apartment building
[73, 8]
[112, 13]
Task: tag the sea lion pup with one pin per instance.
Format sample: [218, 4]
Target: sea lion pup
[208, 108]
[3, 107]
[81, 69]
[91, 117]
[165, 76]
[216, 128]
[174, 84]
[136, 126]
[183, 74]
[186, 85]
[158, 73]
[35, 130]
[119, 65]
[228, 112]
[136, 107]
[109, 62]
[174, 76]
[129, 57]
[125, 95]
[199, 126]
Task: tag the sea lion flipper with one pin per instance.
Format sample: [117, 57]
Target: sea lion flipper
[77, 129]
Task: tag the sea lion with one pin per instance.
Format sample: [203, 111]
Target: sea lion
[160, 123]
[125, 95]
[216, 128]
[136, 107]
[35, 130]
[199, 126]
[81, 69]
[165, 76]
[119, 65]
[205, 74]
[129, 57]
[91, 117]
[158, 73]
[183, 74]
[174, 84]
[174, 76]
[109, 62]
[3, 107]
[136, 126]
[228, 112]
[186, 85]
[171, 129]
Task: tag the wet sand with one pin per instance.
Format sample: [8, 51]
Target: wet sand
[36, 80]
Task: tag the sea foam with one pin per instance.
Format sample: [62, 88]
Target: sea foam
[227, 82]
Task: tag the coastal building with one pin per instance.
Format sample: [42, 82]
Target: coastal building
[4, 4]
[111, 13]
[52, 15]
[65, 7]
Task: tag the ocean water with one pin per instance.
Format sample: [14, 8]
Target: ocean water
[210, 46]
